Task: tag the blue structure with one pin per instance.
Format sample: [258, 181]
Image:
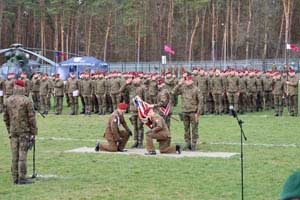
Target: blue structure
[80, 64]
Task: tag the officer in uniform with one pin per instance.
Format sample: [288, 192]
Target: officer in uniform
[114, 90]
[153, 89]
[160, 132]
[217, 91]
[203, 86]
[18, 108]
[135, 88]
[252, 91]
[268, 82]
[259, 87]
[292, 93]
[59, 94]
[190, 107]
[116, 138]
[73, 92]
[35, 90]
[45, 91]
[233, 89]
[278, 92]
[9, 85]
[243, 93]
[86, 92]
[100, 91]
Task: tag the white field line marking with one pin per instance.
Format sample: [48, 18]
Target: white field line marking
[212, 143]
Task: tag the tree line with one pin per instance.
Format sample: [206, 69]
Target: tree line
[131, 30]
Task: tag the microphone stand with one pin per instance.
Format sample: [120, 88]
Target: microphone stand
[243, 137]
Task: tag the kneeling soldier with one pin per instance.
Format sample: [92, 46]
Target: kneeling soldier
[115, 137]
[160, 132]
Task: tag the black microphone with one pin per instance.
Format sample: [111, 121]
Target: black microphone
[232, 111]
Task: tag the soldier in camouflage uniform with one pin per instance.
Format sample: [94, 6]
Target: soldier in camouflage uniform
[109, 104]
[35, 91]
[135, 88]
[243, 93]
[278, 92]
[80, 81]
[259, 90]
[190, 107]
[233, 90]
[252, 92]
[27, 82]
[153, 90]
[100, 91]
[86, 92]
[115, 85]
[19, 118]
[45, 91]
[203, 86]
[210, 99]
[292, 93]
[59, 94]
[268, 82]
[170, 84]
[9, 85]
[217, 91]
[73, 92]
[66, 89]
[1, 94]
[51, 93]
[224, 97]
[94, 103]
[164, 104]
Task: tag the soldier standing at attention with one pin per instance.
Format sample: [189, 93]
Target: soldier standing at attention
[66, 89]
[100, 91]
[116, 138]
[45, 91]
[252, 92]
[243, 93]
[35, 91]
[217, 91]
[51, 92]
[9, 85]
[86, 92]
[170, 83]
[153, 89]
[233, 90]
[59, 94]
[268, 82]
[80, 81]
[1, 94]
[135, 88]
[73, 91]
[114, 90]
[203, 86]
[18, 108]
[27, 82]
[259, 87]
[190, 107]
[160, 132]
[292, 94]
[278, 92]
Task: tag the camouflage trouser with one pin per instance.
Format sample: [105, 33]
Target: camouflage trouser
[49, 101]
[164, 143]
[224, 104]
[82, 103]
[68, 99]
[59, 104]
[252, 101]
[94, 104]
[189, 121]
[1, 104]
[74, 103]
[210, 103]
[19, 148]
[36, 99]
[293, 99]
[101, 101]
[116, 99]
[278, 103]
[87, 103]
[204, 103]
[114, 146]
[242, 102]
[44, 103]
[217, 103]
[233, 99]
[152, 99]
[268, 100]
[259, 101]
[138, 127]
[109, 104]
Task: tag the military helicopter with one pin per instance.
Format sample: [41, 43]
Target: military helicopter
[18, 61]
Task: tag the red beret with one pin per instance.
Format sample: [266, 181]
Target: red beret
[122, 106]
[20, 83]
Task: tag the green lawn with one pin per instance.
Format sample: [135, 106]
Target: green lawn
[98, 176]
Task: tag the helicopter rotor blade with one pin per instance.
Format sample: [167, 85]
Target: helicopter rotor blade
[39, 56]
[5, 50]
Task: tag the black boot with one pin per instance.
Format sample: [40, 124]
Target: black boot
[97, 148]
[194, 147]
[178, 149]
[135, 145]
[24, 181]
[149, 153]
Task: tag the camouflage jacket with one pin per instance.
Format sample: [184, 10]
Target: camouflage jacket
[19, 115]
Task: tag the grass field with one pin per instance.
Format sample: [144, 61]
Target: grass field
[270, 157]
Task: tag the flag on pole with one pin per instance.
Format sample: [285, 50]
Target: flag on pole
[169, 50]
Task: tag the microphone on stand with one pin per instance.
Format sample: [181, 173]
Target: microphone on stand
[232, 111]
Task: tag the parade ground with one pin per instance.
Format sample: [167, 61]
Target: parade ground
[271, 153]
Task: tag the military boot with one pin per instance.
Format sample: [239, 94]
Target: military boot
[140, 145]
[178, 149]
[187, 146]
[150, 153]
[135, 145]
[194, 147]
[97, 148]
[24, 181]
